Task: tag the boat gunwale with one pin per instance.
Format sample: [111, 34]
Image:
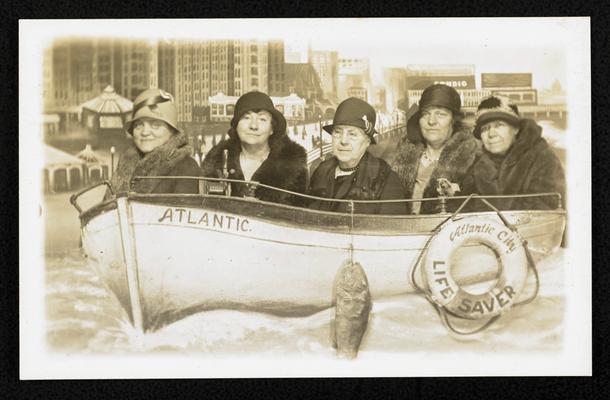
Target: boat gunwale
[87, 215]
[301, 217]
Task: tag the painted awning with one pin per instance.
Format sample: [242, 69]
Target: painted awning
[109, 102]
[54, 156]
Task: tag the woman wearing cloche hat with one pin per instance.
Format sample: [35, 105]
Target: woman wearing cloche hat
[437, 149]
[159, 148]
[515, 159]
[352, 172]
[258, 149]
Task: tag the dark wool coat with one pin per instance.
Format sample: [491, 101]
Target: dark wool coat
[284, 168]
[456, 158]
[530, 166]
[170, 159]
[374, 180]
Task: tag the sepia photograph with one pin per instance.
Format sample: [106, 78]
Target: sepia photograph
[304, 197]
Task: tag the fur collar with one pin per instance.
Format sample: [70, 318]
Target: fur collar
[458, 155]
[492, 169]
[530, 133]
[285, 167]
[158, 162]
[530, 166]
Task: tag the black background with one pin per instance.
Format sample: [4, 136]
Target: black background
[435, 388]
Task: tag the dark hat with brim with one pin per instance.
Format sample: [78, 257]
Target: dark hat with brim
[437, 95]
[258, 101]
[496, 108]
[355, 112]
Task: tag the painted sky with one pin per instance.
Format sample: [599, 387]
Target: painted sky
[537, 45]
[518, 45]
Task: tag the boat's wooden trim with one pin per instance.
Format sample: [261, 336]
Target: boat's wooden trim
[308, 219]
[131, 261]
[104, 206]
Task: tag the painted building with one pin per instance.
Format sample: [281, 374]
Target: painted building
[276, 74]
[292, 107]
[193, 71]
[61, 171]
[395, 84]
[354, 79]
[303, 80]
[326, 64]
[107, 112]
[250, 67]
[76, 70]
[440, 70]
[516, 86]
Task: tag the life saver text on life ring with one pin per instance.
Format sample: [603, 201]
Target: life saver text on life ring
[476, 230]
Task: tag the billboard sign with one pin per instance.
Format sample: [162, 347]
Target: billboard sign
[506, 80]
[455, 81]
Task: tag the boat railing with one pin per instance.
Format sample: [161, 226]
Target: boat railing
[75, 196]
[442, 199]
[252, 185]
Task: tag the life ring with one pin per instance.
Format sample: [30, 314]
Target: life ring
[508, 248]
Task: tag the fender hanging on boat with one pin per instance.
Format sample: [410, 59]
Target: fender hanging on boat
[353, 304]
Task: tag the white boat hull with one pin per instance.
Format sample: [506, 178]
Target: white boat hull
[187, 259]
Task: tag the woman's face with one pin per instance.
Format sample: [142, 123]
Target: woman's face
[149, 133]
[255, 128]
[498, 136]
[349, 144]
[436, 124]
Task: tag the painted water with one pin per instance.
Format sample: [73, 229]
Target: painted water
[82, 316]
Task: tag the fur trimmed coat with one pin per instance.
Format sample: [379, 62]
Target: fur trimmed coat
[530, 166]
[284, 168]
[457, 156]
[374, 180]
[173, 158]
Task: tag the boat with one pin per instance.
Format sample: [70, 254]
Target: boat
[167, 256]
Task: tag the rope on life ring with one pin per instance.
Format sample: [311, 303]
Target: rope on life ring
[445, 294]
